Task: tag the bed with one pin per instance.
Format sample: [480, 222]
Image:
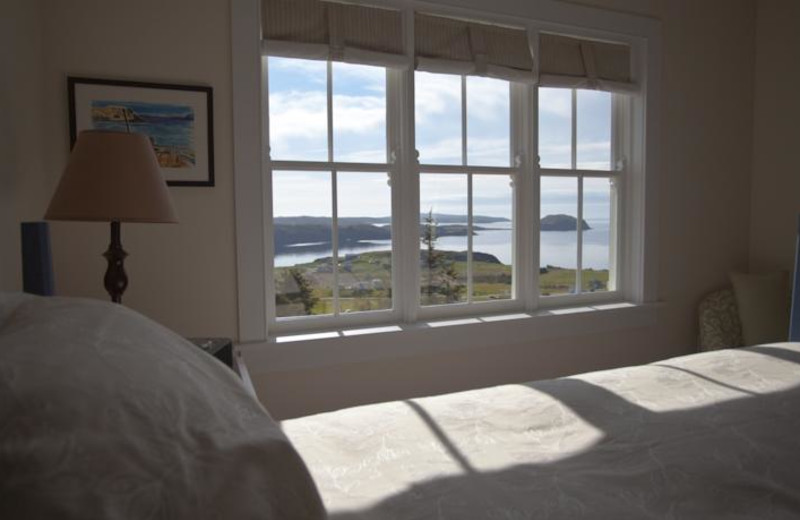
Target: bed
[106, 414]
[713, 435]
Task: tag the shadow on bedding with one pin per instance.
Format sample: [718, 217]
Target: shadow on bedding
[735, 459]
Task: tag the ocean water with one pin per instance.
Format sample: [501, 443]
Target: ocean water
[173, 133]
[558, 248]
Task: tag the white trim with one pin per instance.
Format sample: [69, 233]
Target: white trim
[345, 346]
[319, 166]
[269, 232]
[248, 187]
[637, 196]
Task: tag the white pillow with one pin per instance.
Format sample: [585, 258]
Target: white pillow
[106, 414]
[763, 302]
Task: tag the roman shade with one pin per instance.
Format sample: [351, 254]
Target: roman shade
[454, 46]
[313, 29]
[570, 62]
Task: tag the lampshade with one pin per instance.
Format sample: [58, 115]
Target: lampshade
[112, 176]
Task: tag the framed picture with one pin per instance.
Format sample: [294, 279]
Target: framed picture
[178, 119]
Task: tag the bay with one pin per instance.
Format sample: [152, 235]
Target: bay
[558, 248]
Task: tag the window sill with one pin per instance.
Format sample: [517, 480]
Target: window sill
[339, 347]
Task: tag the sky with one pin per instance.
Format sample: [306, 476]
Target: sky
[298, 131]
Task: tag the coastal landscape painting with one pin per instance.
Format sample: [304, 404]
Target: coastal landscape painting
[176, 118]
[169, 127]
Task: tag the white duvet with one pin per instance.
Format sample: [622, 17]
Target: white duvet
[105, 414]
[708, 436]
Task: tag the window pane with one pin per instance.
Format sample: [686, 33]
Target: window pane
[302, 224]
[559, 237]
[298, 109]
[359, 113]
[488, 122]
[492, 241]
[596, 240]
[438, 118]
[555, 128]
[443, 238]
[365, 241]
[594, 130]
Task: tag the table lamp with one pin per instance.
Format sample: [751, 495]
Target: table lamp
[112, 177]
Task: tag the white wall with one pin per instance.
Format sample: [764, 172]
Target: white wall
[184, 275]
[21, 124]
[775, 202]
[703, 187]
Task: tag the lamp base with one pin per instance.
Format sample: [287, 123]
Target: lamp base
[115, 280]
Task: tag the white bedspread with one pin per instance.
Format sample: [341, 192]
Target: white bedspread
[707, 436]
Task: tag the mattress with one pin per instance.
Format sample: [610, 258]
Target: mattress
[712, 435]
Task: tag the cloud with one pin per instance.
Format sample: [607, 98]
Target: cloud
[365, 77]
[299, 117]
[358, 114]
[488, 152]
[555, 101]
[311, 71]
[488, 100]
[435, 95]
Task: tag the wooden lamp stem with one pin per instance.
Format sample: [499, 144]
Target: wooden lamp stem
[115, 280]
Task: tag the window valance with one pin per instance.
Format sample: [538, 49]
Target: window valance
[456, 46]
[324, 30]
[578, 63]
[313, 29]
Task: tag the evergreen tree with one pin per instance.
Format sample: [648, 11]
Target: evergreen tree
[432, 259]
[304, 289]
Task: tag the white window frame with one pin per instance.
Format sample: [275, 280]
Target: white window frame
[616, 174]
[388, 168]
[513, 172]
[637, 231]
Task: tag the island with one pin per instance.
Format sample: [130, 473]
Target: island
[562, 222]
[307, 231]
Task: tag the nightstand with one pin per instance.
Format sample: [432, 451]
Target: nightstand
[220, 348]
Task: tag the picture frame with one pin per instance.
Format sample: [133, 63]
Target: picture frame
[178, 119]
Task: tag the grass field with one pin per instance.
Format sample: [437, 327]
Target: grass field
[365, 283]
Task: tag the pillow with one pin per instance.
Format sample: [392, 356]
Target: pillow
[763, 301]
[106, 414]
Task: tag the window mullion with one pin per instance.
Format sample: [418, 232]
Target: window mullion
[579, 231]
[469, 185]
[579, 223]
[334, 197]
[522, 121]
[406, 185]
[266, 201]
[619, 163]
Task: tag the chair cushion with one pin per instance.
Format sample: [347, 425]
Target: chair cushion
[720, 326]
[763, 302]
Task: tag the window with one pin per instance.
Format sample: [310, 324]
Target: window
[512, 197]
[578, 201]
[331, 203]
[466, 236]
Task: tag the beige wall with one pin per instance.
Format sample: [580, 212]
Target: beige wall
[704, 190]
[775, 202]
[184, 275]
[21, 126]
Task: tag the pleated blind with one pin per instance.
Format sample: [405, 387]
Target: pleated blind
[327, 30]
[324, 30]
[455, 46]
[577, 63]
